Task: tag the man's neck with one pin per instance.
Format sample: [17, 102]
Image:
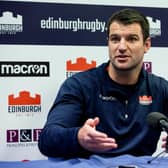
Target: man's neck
[124, 77]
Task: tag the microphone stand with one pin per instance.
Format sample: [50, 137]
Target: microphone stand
[150, 161]
[165, 151]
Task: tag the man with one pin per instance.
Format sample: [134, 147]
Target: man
[103, 110]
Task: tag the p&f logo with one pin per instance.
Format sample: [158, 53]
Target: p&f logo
[23, 135]
[148, 66]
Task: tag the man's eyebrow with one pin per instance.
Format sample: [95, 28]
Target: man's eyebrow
[134, 34]
[111, 35]
[128, 35]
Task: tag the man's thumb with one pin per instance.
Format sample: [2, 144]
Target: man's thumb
[93, 122]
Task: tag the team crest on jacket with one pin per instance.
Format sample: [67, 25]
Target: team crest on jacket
[145, 100]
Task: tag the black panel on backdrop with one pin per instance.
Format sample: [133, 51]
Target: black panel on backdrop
[68, 24]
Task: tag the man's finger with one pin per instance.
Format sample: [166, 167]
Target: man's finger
[92, 122]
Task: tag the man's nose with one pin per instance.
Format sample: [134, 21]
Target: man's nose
[122, 45]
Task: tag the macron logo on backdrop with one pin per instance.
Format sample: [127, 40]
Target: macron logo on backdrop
[25, 69]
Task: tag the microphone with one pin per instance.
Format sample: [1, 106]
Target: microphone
[158, 121]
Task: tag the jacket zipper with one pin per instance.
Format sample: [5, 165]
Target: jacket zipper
[126, 112]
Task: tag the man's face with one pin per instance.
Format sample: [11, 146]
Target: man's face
[126, 46]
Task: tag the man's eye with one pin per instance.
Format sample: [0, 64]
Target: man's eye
[114, 39]
[132, 39]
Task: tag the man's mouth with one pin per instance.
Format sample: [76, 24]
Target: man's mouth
[122, 57]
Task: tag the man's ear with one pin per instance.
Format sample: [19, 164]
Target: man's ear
[147, 44]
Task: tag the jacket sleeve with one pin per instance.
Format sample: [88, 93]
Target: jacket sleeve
[59, 135]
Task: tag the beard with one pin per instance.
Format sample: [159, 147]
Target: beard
[127, 68]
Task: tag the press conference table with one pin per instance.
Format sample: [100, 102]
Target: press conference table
[93, 162]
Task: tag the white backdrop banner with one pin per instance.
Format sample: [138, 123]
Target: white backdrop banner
[41, 45]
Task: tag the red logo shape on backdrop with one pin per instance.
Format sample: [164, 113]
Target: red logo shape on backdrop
[80, 65]
[24, 98]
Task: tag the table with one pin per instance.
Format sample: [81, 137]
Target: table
[94, 161]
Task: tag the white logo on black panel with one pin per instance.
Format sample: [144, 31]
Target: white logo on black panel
[24, 69]
[155, 27]
[10, 24]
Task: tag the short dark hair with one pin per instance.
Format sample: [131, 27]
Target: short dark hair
[129, 16]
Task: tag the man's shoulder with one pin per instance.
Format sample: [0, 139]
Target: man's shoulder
[157, 79]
